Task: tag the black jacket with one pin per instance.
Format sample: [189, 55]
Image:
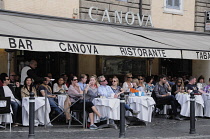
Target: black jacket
[16, 92]
[32, 74]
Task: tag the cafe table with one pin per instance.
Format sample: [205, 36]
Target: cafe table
[206, 99]
[143, 104]
[39, 111]
[184, 101]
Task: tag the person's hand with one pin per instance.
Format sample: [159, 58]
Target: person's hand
[115, 96]
[77, 85]
[17, 84]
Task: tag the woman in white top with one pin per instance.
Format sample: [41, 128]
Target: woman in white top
[60, 86]
[128, 82]
[141, 83]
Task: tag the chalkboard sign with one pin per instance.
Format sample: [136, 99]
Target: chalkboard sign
[121, 66]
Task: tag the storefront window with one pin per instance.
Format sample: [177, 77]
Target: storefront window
[121, 66]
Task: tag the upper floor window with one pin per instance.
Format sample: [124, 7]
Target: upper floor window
[173, 6]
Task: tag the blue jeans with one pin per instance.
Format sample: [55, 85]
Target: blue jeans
[15, 106]
[127, 107]
[54, 106]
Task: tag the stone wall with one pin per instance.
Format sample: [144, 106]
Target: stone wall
[200, 7]
[112, 6]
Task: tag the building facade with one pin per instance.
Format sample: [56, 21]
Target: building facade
[187, 15]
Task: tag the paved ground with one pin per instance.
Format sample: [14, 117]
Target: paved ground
[160, 128]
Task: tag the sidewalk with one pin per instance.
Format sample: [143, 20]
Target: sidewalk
[160, 128]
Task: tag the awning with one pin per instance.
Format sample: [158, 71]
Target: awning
[32, 32]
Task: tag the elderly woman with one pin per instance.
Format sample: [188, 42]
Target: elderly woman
[76, 93]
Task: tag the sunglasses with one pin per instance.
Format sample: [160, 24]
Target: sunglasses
[75, 79]
[103, 81]
[114, 81]
[13, 75]
[129, 77]
[8, 79]
[141, 79]
[179, 82]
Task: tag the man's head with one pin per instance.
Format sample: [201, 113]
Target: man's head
[49, 75]
[33, 64]
[163, 78]
[12, 76]
[83, 78]
[102, 80]
[192, 80]
[5, 79]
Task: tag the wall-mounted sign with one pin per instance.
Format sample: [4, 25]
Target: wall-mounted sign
[207, 21]
[129, 17]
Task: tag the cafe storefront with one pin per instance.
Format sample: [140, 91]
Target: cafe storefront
[64, 40]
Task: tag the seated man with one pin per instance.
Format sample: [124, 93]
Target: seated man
[8, 91]
[161, 92]
[192, 87]
[44, 87]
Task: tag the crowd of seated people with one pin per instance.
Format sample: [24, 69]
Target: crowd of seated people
[92, 87]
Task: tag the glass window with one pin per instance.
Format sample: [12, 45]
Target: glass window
[173, 4]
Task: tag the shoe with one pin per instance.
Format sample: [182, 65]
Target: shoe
[93, 127]
[135, 112]
[178, 118]
[15, 125]
[103, 119]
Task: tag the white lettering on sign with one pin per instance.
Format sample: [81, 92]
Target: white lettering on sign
[117, 16]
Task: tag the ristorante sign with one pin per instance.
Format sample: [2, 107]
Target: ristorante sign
[82, 48]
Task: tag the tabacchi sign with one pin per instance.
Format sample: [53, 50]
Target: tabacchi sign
[118, 17]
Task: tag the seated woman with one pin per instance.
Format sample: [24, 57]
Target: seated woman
[141, 84]
[75, 93]
[118, 90]
[128, 82]
[201, 83]
[149, 86]
[91, 89]
[44, 87]
[178, 87]
[60, 86]
[27, 88]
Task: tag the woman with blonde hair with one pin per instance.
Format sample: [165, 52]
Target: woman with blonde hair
[128, 82]
[178, 87]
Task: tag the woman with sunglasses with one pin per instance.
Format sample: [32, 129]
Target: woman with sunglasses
[128, 82]
[141, 84]
[118, 90]
[76, 93]
[178, 87]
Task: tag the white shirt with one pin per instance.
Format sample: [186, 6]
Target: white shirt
[56, 88]
[125, 87]
[105, 90]
[24, 74]
[8, 93]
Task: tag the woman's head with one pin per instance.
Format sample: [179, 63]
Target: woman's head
[73, 80]
[201, 79]
[135, 82]
[180, 82]
[93, 80]
[149, 79]
[141, 79]
[28, 81]
[60, 81]
[115, 81]
[128, 77]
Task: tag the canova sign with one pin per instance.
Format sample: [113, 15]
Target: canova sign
[119, 18]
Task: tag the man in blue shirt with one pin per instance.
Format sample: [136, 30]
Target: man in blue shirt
[82, 82]
[104, 89]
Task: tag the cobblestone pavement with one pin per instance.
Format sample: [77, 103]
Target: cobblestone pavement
[159, 128]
